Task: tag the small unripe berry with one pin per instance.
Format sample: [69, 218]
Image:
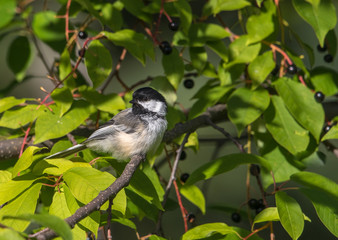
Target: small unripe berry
[319, 96]
[82, 35]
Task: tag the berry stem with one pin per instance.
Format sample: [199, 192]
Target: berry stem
[167, 16]
[283, 53]
[301, 79]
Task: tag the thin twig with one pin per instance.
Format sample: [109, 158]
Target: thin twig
[171, 179]
[228, 135]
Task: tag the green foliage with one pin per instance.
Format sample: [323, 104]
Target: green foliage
[231, 60]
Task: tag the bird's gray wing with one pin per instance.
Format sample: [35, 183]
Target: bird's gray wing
[125, 121]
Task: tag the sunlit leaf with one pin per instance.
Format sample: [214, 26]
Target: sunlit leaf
[290, 214]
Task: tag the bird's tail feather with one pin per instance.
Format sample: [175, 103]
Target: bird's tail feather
[68, 151]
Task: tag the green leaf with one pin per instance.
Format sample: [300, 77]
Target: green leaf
[270, 214]
[65, 69]
[316, 181]
[184, 11]
[207, 96]
[207, 230]
[300, 102]
[110, 103]
[220, 49]
[326, 207]
[162, 85]
[194, 195]
[155, 237]
[25, 160]
[198, 57]
[322, 18]
[90, 222]
[7, 11]
[58, 225]
[19, 47]
[6, 233]
[50, 125]
[140, 184]
[136, 43]
[50, 29]
[56, 167]
[112, 16]
[11, 189]
[9, 102]
[290, 213]
[230, 74]
[224, 164]
[98, 62]
[201, 33]
[5, 176]
[245, 106]
[63, 98]
[325, 80]
[173, 67]
[88, 5]
[17, 118]
[135, 8]
[126, 222]
[60, 209]
[86, 183]
[332, 134]
[284, 129]
[24, 204]
[260, 68]
[243, 52]
[261, 26]
[282, 162]
[216, 6]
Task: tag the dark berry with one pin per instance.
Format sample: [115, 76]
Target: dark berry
[173, 26]
[183, 155]
[82, 35]
[82, 52]
[321, 48]
[319, 96]
[191, 217]
[165, 48]
[259, 209]
[327, 128]
[254, 169]
[292, 69]
[184, 177]
[188, 83]
[275, 70]
[253, 203]
[236, 217]
[328, 58]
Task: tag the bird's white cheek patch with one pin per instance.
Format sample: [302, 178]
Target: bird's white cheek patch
[155, 106]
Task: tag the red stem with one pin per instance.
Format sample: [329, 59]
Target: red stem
[183, 210]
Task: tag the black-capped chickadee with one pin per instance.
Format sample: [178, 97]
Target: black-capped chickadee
[133, 131]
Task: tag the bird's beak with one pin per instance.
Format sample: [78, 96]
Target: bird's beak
[132, 101]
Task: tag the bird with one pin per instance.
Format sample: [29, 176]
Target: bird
[134, 131]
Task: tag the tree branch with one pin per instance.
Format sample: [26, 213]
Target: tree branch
[111, 192]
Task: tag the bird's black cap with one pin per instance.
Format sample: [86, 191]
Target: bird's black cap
[147, 94]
